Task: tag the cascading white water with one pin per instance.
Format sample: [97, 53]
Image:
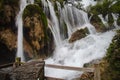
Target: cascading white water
[54, 25]
[103, 20]
[75, 19]
[90, 48]
[19, 24]
[115, 17]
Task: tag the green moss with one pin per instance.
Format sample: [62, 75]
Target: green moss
[32, 9]
[113, 58]
[38, 2]
[115, 8]
[101, 8]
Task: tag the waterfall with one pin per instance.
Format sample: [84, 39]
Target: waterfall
[19, 24]
[82, 51]
[54, 25]
[115, 17]
[103, 20]
[76, 19]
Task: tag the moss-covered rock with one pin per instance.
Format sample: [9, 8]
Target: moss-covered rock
[97, 23]
[36, 30]
[81, 33]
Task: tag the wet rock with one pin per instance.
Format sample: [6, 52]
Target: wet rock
[81, 33]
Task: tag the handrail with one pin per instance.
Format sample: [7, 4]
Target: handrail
[70, 68]
[6, 65]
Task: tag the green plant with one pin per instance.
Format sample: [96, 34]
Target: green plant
[115, 8]
[113, 57]
[101, 7]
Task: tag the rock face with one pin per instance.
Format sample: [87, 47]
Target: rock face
[8, 11]
[38, 39]
[97, 23]
[36, 31]
[78, 35]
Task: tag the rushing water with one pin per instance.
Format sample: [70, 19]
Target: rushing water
[19, 24]
[115, 17]
[54, 25]
[104, 21]
[90, 48]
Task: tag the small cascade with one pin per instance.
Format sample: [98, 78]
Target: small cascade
[19, 24]
[115, 17]
[103, 20]
[61, 21]
[54, 25]
[45, 7]
[92, 47]
[76, 19]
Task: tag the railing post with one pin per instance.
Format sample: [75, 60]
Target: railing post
[97, 72]
[17, 62]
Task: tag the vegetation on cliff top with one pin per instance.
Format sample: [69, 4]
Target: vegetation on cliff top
[106, 9]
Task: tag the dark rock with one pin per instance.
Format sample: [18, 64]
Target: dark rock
[4, 76]
[29, 71]
[5, 73]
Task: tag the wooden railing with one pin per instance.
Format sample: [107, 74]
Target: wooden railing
[95, 70]
[6, 65]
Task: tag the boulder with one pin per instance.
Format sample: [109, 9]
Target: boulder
[80, 33]
[33, 70]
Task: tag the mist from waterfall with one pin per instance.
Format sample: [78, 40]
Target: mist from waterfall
[19, 24]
